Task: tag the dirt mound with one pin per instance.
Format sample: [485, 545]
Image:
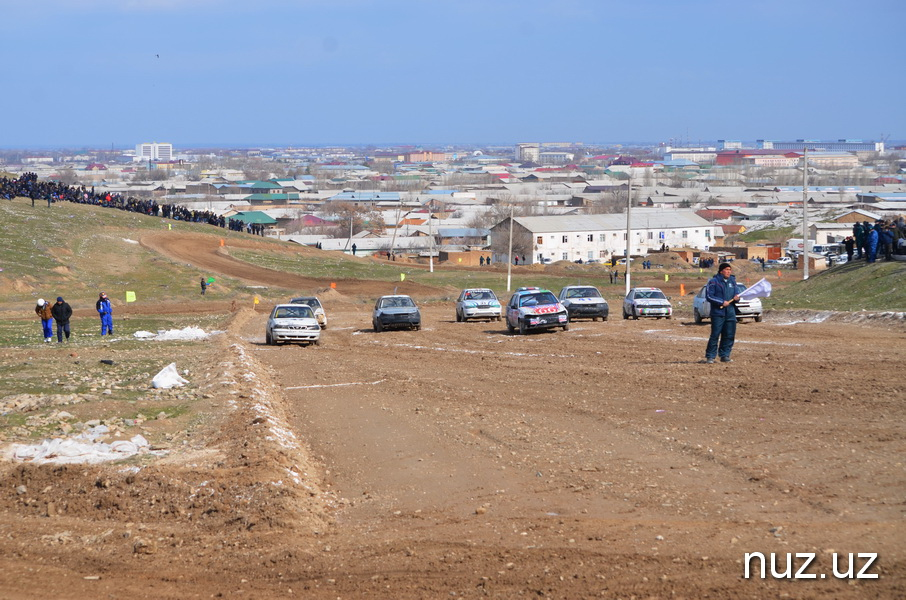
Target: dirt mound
[206, 253]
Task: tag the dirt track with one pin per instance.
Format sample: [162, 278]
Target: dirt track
[460, 461]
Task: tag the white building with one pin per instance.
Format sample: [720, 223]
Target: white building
[528, 152]
[153, 151]
[599, 237]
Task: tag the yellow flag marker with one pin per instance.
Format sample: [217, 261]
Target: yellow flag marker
[402, 277]
[130, 296]
[257, 300]
[666, 277]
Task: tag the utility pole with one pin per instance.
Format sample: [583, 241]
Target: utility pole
[805, 213]
[509, 262]
[628, 230]
[431, 238]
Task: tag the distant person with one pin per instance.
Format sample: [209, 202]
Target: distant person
[481, 261]
[795, 261]
[763, 265]
[859, 235]
[204, 286]
[353, 249]
[871, 245]
[721, 294]
[487, 260]
[850, 244]
[105, 310]
[61, 312]
[886, 238]
[43, 311]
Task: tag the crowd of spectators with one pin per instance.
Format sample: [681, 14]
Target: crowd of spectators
[28, 186]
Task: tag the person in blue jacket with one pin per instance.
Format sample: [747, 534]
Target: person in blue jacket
[721, 293]
[105, 310]
[871, 244]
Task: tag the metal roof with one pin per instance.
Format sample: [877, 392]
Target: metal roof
[639, 219]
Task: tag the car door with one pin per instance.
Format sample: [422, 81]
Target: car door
[512, 311]
[704, 307]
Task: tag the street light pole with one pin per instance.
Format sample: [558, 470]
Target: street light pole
[509, 262]
[628, 230]
[805, 213]
[431, 239]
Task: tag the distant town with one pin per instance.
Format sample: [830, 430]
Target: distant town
[567, 201]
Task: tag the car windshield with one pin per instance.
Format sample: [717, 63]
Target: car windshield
[537, 299]
[588, 292]
[397, 302]
[651, 294]
[480, 295]
[740, 288]
[293, 312]
[312, 302]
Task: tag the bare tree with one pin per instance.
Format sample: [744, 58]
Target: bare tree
[363, 218]
[68, 176]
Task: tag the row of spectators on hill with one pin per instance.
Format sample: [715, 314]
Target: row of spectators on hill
[28, 186]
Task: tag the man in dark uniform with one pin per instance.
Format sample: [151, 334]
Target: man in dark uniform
[61, 312]
[721, 293]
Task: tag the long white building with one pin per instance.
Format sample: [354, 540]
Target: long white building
[599, 237]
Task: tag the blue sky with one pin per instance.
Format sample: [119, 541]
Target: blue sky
[96, 73]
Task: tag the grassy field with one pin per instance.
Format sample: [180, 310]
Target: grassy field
[854, 286]
[76, 250]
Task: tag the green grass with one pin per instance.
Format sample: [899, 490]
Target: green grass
[448, 280]
[767, 235]
[854, 286]
[75, 250]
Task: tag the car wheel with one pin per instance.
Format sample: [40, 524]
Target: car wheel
[635, 316]
[603, 318]
[758, 319]
[267, 339]
[697, 317]
[522, 328]
[317, 342]
[625, 316]
[378, 327]
[418, 327]
[458, 317]
[510, 328]
[566, 326]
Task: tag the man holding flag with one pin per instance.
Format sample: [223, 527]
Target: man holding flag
[721, 293]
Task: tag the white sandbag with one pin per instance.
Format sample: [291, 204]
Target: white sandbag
[168, 377]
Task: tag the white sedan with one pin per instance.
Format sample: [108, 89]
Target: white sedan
[292, 323]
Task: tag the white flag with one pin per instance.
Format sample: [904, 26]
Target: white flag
[762, 289]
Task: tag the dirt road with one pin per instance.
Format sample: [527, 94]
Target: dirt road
[603, 460]
[461, 461]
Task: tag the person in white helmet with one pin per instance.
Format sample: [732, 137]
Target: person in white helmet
[43, 311]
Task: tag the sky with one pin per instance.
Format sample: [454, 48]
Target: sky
[194, 73]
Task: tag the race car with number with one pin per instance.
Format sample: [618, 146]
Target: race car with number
[533, 308]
